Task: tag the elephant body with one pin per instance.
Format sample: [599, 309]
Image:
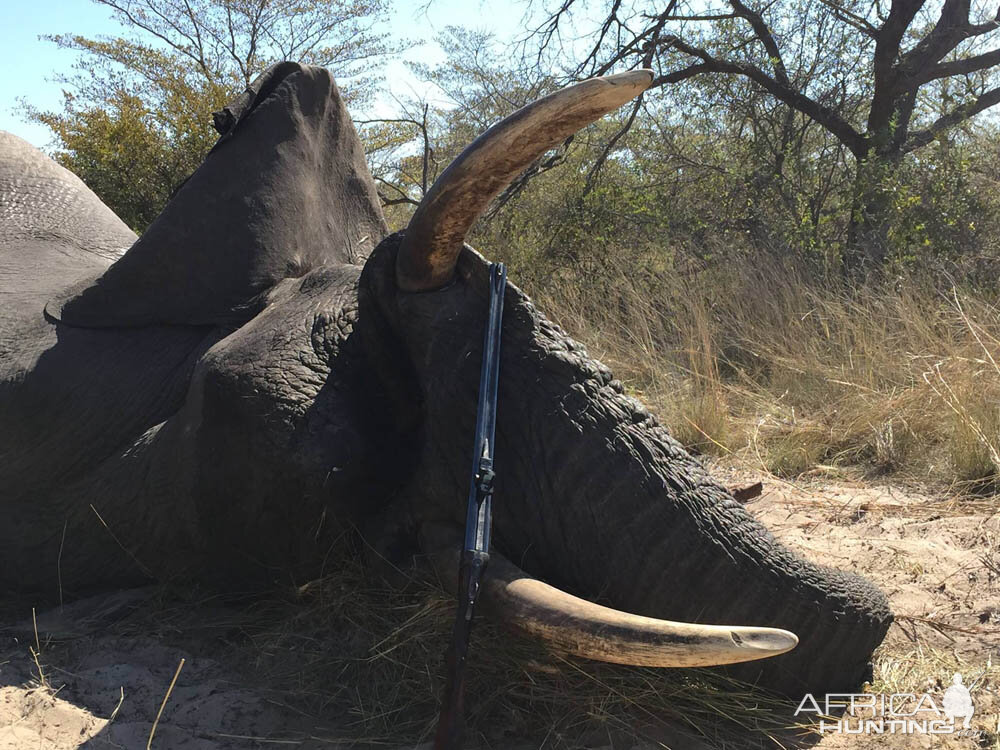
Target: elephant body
[249, 380]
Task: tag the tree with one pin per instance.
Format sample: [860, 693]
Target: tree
[863, 71]
[137, 111]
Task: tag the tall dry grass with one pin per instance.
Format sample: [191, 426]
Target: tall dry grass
[760, 362]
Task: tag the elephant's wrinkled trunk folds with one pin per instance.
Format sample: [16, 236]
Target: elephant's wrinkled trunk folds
[593, 494]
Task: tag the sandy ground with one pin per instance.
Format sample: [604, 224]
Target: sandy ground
[938, 559]
[95, 679]
[96, 685]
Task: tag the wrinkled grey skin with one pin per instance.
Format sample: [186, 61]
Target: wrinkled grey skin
[232, 445]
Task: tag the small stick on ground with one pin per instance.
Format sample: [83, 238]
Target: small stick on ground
[152, 729]
[36, 653]
[62, 543]
[938, 626]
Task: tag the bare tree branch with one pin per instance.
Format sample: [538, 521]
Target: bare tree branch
[962, 66]
[951, 28]
[822, 114]
[609, 147]
[958, 115]
[138, 22]
[763, 33]
[888, 42]
[852, 19]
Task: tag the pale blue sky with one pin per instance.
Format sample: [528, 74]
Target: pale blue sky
[28, 64]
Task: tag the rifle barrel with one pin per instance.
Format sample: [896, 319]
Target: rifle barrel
[475, 556]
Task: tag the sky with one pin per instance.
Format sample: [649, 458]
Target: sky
[29, 65]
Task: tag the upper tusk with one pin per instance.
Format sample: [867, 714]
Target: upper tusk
[576, 626]
[437, 230]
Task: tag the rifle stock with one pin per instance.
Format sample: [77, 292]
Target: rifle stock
[451, 724]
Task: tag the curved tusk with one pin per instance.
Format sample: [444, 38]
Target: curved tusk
[437, 230]
[579, 627]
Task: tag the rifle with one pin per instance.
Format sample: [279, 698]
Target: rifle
[476, 552]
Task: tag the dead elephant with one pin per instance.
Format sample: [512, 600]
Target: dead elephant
[264, 368]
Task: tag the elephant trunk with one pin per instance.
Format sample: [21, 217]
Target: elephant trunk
[600, 500]
[632, 521]
[595, 497]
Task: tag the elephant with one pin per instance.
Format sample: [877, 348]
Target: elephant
[267, 367]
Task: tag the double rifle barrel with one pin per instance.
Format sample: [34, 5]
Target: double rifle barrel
[476, 552]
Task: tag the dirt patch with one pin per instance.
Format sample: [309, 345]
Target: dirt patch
[260, 677]
[35, 718]
[937, 558]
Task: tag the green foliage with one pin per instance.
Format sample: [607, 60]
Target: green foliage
[936, 210]
[136, 118]
[710, 172]
[119, 154]
[879, 81]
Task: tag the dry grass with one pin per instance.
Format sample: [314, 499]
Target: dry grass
[353, 646]
[931, 669]
[350, 645]
[760, 363]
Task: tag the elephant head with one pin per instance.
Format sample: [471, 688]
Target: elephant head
[237, 388]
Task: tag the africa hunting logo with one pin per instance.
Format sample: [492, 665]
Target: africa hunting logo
[896, 713]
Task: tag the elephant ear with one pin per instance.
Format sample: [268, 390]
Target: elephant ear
[283, 191]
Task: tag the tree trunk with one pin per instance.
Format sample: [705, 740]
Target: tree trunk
[867, 246]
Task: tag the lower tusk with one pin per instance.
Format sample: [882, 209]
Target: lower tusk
[576, 626]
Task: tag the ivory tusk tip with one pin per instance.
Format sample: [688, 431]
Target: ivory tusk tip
[639, 79]
[772, 641]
